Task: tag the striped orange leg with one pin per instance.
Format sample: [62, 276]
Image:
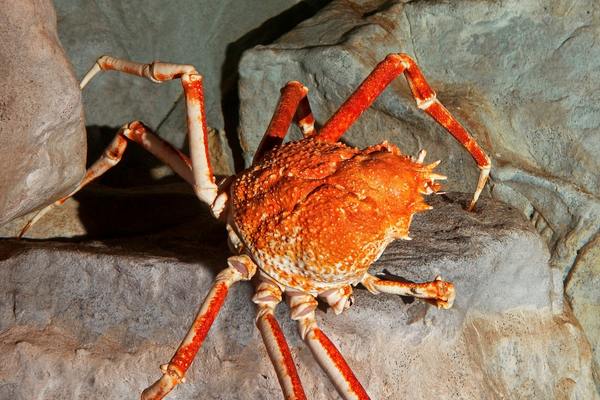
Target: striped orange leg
[327, 355]
[437, 292]
[267, 297]
[293, 105]
[240, 268]
[136, 132]
[157, 72]
[377, 81]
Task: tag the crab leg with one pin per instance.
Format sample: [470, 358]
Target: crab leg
[385, 72]
[437, 292]
[293, 104]
[157, 72]
[240, 268]
[267, 296]
[327, 355]
[136, 132]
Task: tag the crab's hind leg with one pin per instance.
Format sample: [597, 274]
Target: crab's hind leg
[293, 105]
[437, 292]
[267, 297]
[385, 72]
[191, 80]
[240, 268]
[199, 172]
[136, 132]
[327, 355]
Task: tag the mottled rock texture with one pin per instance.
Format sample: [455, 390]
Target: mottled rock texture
[208, 34]
[96, 318]
[41, 128]
[523, 77]
[42, 137]
[188, 32]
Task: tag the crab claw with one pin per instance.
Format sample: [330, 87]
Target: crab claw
[440, 293]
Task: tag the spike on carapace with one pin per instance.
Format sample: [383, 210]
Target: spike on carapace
[330, 209]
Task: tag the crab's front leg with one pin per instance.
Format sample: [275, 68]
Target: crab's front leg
[292, 106]
[385, 72]
[240, 268]
[267, 297]
[327, 355]
[191, 80]
[437, 292]
[136, 132]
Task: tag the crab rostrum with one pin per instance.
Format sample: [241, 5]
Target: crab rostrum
[306, 220]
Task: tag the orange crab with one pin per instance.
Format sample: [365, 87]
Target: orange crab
[306, 220]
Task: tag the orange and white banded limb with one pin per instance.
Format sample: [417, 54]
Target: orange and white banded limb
[239, 268]
[197, 173]
[437, 292]
[383, 74]
[267, 297]
[292, 106]
[138, 133]
[157, 72]
[330, 359]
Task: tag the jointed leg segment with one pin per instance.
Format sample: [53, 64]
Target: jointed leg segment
[267, 296]
[437, 292]
[293, 105]
[157, 72]
[377, 81]
[240, 268]
[136, 132]
[327, 355]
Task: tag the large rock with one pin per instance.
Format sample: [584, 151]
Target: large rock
[189, 32]
[42, 137]
[210, 35]
[96, 318]
[511, 72]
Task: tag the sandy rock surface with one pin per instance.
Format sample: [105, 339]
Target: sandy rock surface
[94, 318]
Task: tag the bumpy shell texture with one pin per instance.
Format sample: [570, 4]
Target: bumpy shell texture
[315, 215]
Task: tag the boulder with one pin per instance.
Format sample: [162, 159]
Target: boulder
[42, 136]
[95, 318]
[511, 72]
[209, 35]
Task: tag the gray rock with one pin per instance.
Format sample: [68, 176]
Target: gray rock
[511, 72]
[42, 137]
[206, 34]
[96, 318]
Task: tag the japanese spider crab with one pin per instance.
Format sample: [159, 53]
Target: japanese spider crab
[307, 219]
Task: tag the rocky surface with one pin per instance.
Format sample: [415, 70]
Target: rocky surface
[42, 137]
[210, 35]
[191, 33]
[95, 318]
[513, 73]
